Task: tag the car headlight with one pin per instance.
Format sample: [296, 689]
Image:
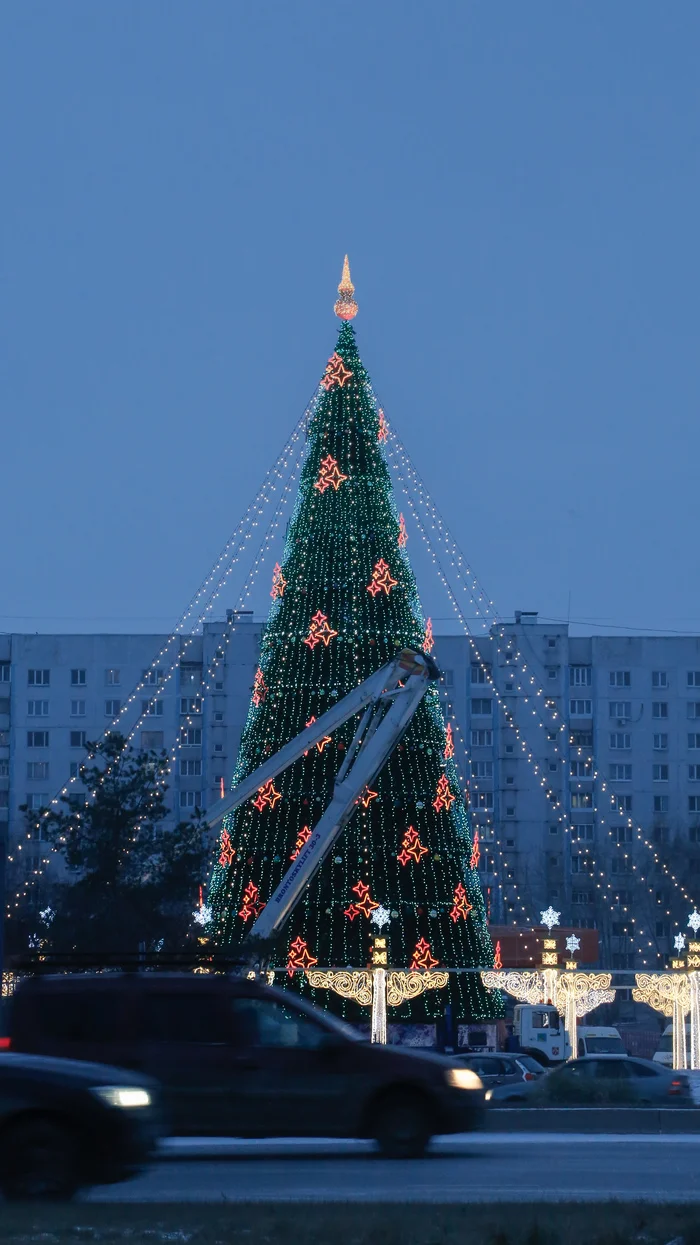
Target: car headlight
[463, 1078]
[488, 1095]
[122, 1096]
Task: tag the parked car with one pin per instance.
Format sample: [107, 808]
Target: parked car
[239, 1058]
[599, 1040]
[64, 1125]
[598, 1080]
[502, 1068]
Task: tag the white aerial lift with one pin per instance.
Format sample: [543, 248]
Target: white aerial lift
[389, 698]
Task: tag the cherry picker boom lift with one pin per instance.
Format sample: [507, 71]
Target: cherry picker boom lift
[389, 699]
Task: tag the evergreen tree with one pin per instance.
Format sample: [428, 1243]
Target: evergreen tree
[344, 601]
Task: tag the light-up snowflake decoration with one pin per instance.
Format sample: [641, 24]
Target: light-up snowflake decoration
[202, 915]
[380, 917]
[550, 918]
[679, 942]
[694, 921]
[47, 915]
[572, 943]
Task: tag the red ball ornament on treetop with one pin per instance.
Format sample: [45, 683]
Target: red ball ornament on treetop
[344, 601]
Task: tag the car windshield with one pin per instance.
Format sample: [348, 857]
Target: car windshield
[341, 1027]
[666, 1044]
[605, 1046]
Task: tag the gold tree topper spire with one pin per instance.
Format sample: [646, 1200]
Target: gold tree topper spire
[346, 307]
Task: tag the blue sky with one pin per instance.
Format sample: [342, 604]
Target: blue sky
[518, 189]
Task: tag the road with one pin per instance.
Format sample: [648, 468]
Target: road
[489, 1167]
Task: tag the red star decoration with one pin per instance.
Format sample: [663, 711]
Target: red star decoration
[322, 742]
[227, 852]
[303, 837]
[381, 578]
[383, 432]
[299, 956]
[422, 958]
[428, 641]
[267, 796]
[365, 903]
[251, 904]
[449, 746]
[412, 848]
[367, 796]
[352, 911]
[330, 474]
[462, 906]
[279, 583]
[444, 798]
[260, 688]
[403, 534]
[476, 851]
[320, 629]
[497, 961]
[336, 373]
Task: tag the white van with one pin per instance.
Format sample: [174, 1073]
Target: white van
[598, 1040]
[664, 1054]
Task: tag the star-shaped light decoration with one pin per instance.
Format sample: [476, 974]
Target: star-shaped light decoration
[450, 744]
[299, 956]
[366, 798]
[303, 837]
[202, 915]
[428, 640]
[260, 688]
[383, 433]
[330, 474]
[279, 583]
[550, 918]
[572, 943]
[476, 852]
[403, 534]
[444, 798]
[411, 847]
[381, 579]
[422, 957]
[267, 796]
[251, 904]
[694, 921]
[336, 373]
[364, 903]
[679, 942]
[228, 851]
[321, 744]
[320, 630]
[462, 906]
[380, 917]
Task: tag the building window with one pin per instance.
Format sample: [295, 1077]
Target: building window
[694, 773]
[190, 799]
[4, 672]
[660, 803]
[37, 739]
[552, 672]
[38, 678]
[38, 708]
[620, 678]
[581, 739]
[113, 677]
[152, 677]
[482, 739]
[694, 708]
[481, 708]
[583, 833]
[693, 741]
[582, 799]
[112, 708]
[551, 641]
[621, 864]
[694, 803]
[661, 742]
[663, 929]
[482, 799]
[4, 769]
[190, 675]
[580, 708]
[36, 800]
[659, 678]
[75, 769]
[621, 834]
[191, 737]
[624, 803]
[190, 704]
[579, 676]
[694, 834]
[77, 678]
[510, 810]
[553, 767]
[620, 709]
[151, 740]
[218, 717]
[480, 672]
[579, 769]
[620, 741]
[694, 678]
[448, 678]
[77, 708]
[553, 829]
[152, 708]
[659, 773]
[218, 747]
[620, 773]
[659, 709]
[482, 769]
[581, 864]
[661, 834]
[190, 769]
[581, 897]
[77, 739]
[37, 771]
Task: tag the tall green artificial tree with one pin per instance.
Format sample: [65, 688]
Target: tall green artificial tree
[344, 600]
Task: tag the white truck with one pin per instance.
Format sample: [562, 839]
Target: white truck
[540, 1030]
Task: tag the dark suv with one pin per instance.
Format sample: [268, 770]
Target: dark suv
[237, 1058]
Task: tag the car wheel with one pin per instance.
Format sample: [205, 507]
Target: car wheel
[401, 1127]
[39, 1162]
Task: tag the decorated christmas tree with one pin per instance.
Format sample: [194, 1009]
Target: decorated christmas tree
[344, 600]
